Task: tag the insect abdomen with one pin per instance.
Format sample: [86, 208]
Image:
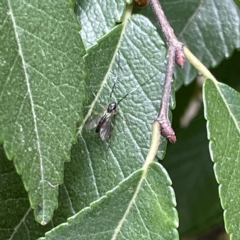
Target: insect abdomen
[101, 122]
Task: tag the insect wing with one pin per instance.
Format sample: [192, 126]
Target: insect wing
[94, 120]
[106, 127]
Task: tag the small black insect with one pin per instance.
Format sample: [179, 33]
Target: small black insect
[102, 121]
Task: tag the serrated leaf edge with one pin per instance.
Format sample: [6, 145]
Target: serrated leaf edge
[216, 84]
[24, 65]
[127, 15]
[144, 171]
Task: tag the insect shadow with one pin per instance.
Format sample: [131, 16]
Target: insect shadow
[102, 122]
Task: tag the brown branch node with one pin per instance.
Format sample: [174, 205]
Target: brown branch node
[174, 54]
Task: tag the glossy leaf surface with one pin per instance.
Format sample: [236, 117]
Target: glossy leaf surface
[210, 29]
[222, 113]
[41, 94]
[127, 211]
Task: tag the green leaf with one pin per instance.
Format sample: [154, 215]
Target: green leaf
[105, 163]
[98, 166]
[42, 73]
[16, 216]
[206, 32]
[223, 115]
[140, 207]
[97, 18]
[237, 3]
[209, 29]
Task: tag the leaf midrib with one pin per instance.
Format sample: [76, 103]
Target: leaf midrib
[228, 108]
[124, 23]
[36, 131]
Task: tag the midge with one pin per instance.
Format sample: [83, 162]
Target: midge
[102, 121]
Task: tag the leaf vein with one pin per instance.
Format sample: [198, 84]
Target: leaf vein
[9, 75]
[144, 225]
[48, 44]
[191, 18]
[91, 168]
[18, 226]
[29, 93]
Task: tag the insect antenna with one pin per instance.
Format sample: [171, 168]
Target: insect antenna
[136, 88]
[113, 86]
[118, 56]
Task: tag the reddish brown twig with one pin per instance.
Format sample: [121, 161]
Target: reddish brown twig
[174, 53]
